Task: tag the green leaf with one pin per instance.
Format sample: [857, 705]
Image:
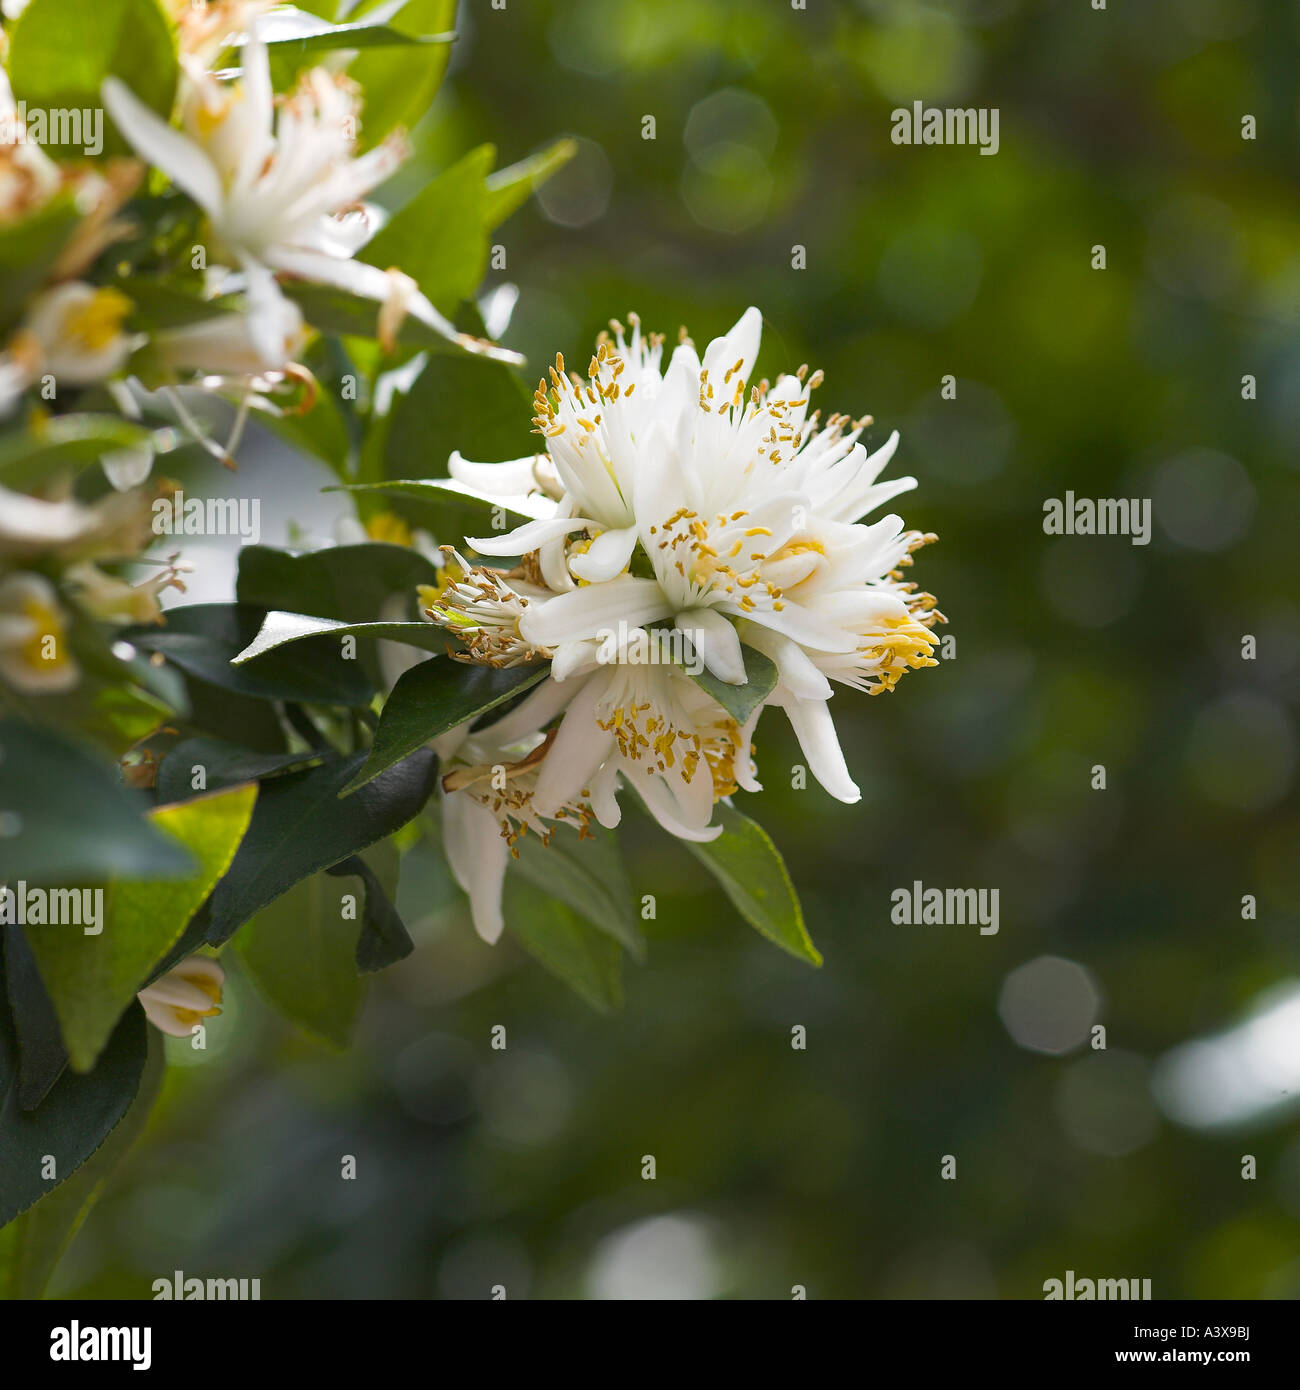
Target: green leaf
[300, 953]
[91, 979]
[300, 826]
[441, 507]
[477, 406]
[348, 583]
[439, 237]
[75, 820]
[433, 697]
[41, 1054]
[751, 872]
[401, 83]
[32, 1245]
[588, 960]
[299, 32]
[204, 638]
[384, 939]
[587, 874]
[61, 51]
[224, 764]
[740, 701]
[64, 441]
[72, 1121]
[28, 250]
[279, 629]
[508, 189]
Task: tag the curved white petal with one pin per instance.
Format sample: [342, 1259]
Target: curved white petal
[663, 806]
[594, 610]
[606, 557]
[716, 643]
[529, 536]
[794, 666]
[477, 854]
[815, 730]
[184, 162]
[580, 747]
[508, 479]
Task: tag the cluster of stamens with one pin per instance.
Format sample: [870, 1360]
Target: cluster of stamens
[475, 604]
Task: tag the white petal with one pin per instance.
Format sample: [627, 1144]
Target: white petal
[580, 747]
[716, 642]
[793, 664]
[594, 610]
[815, 730]
[507, 479]
[184, 162]
[606, 557]
[662, 805]
[477, 854]
[127, 468]
[530, 536]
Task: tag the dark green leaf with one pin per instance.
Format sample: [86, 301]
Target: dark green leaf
[72, 1121]
[348, 583]
[204, 638]
[384, 939]
[224, 765]
[41, 1054]
[32, 1244]
[443, 508]
[29, 248]
[283, 628]
[300, 826]
[477, 406]
[433, 697]
[73, 819]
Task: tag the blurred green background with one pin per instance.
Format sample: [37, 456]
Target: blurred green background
[821, 1167]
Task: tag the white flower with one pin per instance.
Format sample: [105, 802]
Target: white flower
[281, 191]
[226, 344]
[185, 994]
[115, 526]
[477, 605]
[748, 510]
[114, 600]
[35, 657]
[487, 804]
[73, 333]
[629, 714]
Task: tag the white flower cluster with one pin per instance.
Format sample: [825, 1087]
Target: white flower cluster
[669, 496]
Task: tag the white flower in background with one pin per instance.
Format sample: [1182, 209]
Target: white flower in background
[116, 526]
[227, 345]
[35, 657]
[281, 190]
[186, 994]
[748, 510]
[114, 600]
[72, 333]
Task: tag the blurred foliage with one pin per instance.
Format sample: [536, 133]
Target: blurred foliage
[478, 1167]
